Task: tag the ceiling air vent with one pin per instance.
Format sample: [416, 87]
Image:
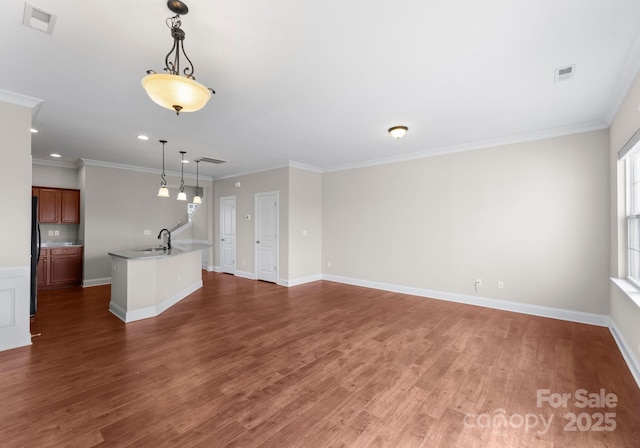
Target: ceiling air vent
[565, 73]
[38, 19]
[210, 160]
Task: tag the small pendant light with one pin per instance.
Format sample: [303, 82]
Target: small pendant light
[197, 199]
[163, 192]
[182, 196]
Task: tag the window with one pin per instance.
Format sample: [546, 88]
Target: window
[633, 216]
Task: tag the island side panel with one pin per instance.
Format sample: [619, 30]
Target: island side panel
[118, 304]
[142, 289]
[177, 277]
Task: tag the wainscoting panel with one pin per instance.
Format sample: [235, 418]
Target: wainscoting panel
[14, 307]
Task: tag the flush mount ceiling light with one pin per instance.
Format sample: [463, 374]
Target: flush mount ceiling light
[143, 137]
[163, 192]
[197, 199]
[182, 196]
[398, 132]
[172, 90]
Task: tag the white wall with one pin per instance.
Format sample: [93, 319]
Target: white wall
[305, 225]
[15, 182]
[47, 175]
[532, 215]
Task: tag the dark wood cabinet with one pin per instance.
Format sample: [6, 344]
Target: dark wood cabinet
[57, 205]
[43, 268]
[60, 267]
[70, 206]
[49, 205]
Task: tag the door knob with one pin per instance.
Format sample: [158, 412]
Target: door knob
[258, 242]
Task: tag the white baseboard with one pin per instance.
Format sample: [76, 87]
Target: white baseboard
[214, 269]
[626, 351]
[300, 280]
[118, 311]
[96, 282]
[152, 311]
[523, 308]
[244, 274]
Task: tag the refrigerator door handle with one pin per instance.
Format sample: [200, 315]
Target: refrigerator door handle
[39, 242]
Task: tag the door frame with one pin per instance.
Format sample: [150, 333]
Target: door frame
[235, 233]
[256, 223]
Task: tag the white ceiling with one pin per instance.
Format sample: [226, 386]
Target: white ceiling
[319, 83]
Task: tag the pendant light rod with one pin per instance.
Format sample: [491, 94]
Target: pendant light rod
[196, 198]
[182, 196]
[182, 153]
[197, 175]
[163, 192]
[164, 180]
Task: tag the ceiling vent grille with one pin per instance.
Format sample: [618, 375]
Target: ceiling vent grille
[38, 19]
[210, 160]
[565, 73]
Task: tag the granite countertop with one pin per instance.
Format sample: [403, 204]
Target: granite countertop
[49, 244]
[148, 253]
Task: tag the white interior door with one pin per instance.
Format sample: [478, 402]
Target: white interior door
[228, 234]
[266, 232]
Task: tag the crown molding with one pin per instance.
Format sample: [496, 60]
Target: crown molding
[54, 163]
[139, 169]
[304, 166]
[20, 100]
[523, 138]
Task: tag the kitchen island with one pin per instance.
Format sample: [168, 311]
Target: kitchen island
[147, 281]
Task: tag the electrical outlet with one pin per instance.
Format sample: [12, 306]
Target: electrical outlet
[328, 264]
[147, 232]
[500, 285]
[56, 233]
[478, 284]
[50, 232]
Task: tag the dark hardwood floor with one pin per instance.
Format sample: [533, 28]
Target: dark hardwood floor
[243, 363]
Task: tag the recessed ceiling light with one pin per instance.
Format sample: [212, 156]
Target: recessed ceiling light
[34, 131]
[55, 155]
[142, 137]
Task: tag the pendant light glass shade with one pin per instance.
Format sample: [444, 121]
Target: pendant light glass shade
[197, 199]
[163, 192]
[182, 196]
[176, 92]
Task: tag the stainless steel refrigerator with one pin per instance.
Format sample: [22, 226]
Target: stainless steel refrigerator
[36, 242]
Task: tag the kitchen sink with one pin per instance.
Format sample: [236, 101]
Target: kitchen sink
[151, 249]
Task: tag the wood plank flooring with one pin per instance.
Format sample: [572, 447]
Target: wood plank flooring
[243, 363]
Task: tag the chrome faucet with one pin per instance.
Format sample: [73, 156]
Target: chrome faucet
[168, 237]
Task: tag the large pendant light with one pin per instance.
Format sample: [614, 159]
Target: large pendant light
[197, 199]
[182, 196]
[173, 90]
[163, 192]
